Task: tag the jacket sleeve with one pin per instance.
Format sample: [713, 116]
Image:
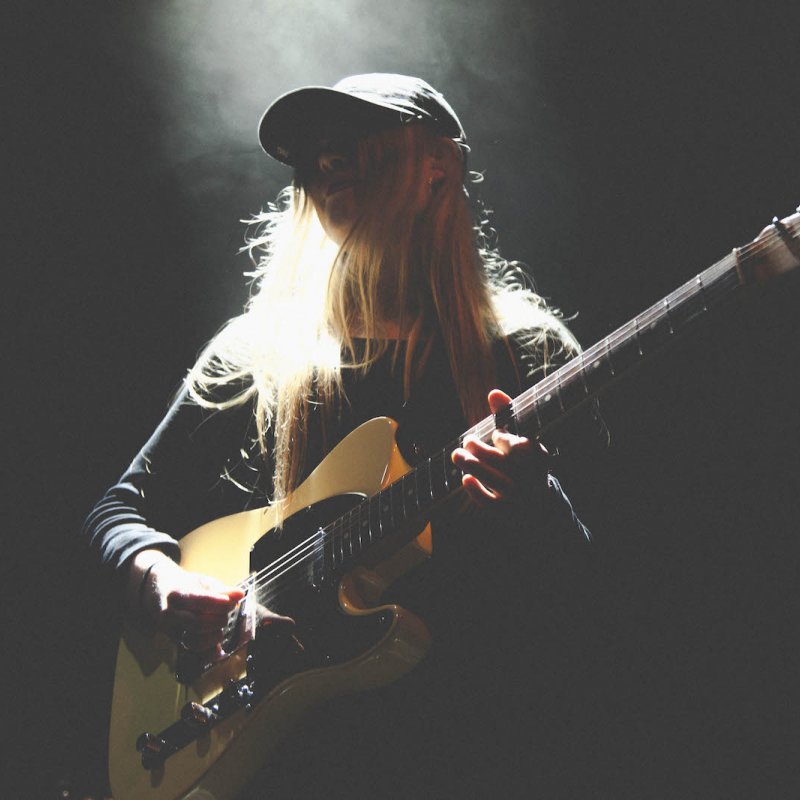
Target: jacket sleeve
[182, 477]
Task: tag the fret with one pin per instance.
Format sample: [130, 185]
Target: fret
[328, 562]
[526, 413]
[336, 538]
[410, 502]
[608, 356]
[350, 522]
[689, 307]
[347, 535]
[668, 314]
[572, 386]
[364, 532]
[336, 532]
[423, 476]
[597, 370]
[408, 486]
[716, 284]
[374, 511]
[506, 418]
[584, 380]
[547, 407]
[452, 474]
[386, 515]
[438, 476]
[656, 332]
[702, 290]
[636, 334]
[537, 415]
[557, 389]
[514, 419]
[629, 346]
[398, 504]
[355, 524]
[344, 538]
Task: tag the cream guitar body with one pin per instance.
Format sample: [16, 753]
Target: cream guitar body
[383, 643]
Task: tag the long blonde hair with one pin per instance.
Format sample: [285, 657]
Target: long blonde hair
[432, 273]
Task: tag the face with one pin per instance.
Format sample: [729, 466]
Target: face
[331, 178]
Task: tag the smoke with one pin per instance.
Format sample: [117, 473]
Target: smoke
[209, 68]
[214, 65]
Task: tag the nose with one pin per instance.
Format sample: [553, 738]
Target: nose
[330, 162]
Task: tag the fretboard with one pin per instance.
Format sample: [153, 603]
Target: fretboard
[593, 370]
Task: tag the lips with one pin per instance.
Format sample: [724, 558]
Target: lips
[338, 186]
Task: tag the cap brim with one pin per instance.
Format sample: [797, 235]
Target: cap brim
[297, 117]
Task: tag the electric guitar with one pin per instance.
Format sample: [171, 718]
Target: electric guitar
[186, 726]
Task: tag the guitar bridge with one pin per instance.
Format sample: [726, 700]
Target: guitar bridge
[282, 653]
[196, 719]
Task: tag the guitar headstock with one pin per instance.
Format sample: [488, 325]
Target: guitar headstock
[775, 251]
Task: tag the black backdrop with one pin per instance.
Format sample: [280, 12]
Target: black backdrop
[626, 147]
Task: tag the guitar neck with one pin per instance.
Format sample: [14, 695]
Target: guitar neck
[774, 252]
[408, 501]
[592, 371]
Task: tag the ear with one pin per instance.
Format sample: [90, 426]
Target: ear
[435, 169]
[438, 161]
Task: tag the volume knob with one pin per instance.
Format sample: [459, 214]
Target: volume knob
[153, 750]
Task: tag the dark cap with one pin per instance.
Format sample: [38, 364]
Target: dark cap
[358, 103]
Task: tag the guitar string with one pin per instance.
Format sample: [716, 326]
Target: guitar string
[299, 556]
[314, 545]
[633, 329]
[568, 373]
[318, 537]
[714, 278]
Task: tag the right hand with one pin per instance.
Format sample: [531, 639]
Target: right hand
[192, 609]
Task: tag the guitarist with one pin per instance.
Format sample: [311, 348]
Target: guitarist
[373, 296]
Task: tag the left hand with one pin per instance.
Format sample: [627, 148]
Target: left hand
[506, 471]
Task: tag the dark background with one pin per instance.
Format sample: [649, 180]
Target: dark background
[625, 147]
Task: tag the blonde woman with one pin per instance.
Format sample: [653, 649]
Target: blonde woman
[374, 295]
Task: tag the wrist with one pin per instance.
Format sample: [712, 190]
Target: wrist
[140, 581]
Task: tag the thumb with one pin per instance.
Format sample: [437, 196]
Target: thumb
[233, 593]
[497, 400]
[266, 617]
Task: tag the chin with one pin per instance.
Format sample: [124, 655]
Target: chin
[338, 231]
